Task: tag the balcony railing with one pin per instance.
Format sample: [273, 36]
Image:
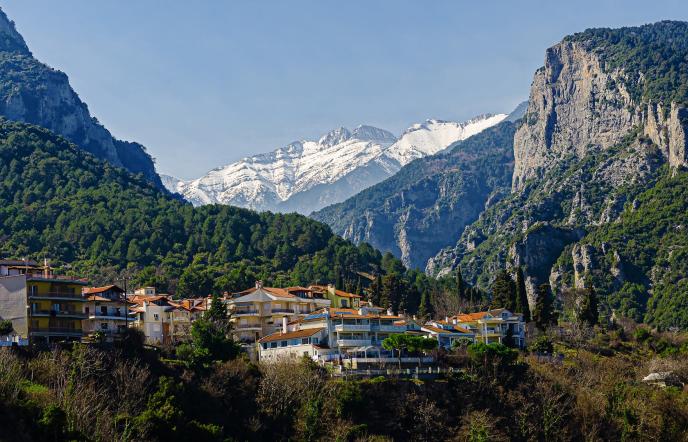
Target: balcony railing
[390, 328]
[243, 327]
[352, 327]
[54, 295]
[245, 312]
[57, 331]
[282, 310]
[354, 342]
[59, 314]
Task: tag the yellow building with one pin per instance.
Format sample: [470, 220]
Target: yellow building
[42, 307]
[339, 298]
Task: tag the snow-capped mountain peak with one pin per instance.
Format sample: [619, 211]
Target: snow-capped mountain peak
[305, 175]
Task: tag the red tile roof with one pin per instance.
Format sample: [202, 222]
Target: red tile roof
[94, 290]
[279, 336]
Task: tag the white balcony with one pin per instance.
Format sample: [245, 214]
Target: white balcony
[354, 342]
[352, 327]
[391, 328]
[240, 313]
[247, 327]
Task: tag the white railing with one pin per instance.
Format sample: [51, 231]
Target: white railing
[352, 327]
[353, 342]
[391, 328]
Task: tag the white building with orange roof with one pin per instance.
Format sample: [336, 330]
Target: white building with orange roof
[106, 311]
[260, 311]
[447, 333]
[352, 337]
[497, 325]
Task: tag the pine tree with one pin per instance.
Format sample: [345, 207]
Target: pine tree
[374, 292]
[338, 283]
[359, 287]
[217, 312]
[589, 305]
[522, 296]
[503, 292]
[544, 315]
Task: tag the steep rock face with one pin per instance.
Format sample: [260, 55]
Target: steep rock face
[35, 93]
[573, 109]
[428, 203]
[591, 141]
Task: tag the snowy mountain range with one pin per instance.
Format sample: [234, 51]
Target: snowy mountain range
[305, 176]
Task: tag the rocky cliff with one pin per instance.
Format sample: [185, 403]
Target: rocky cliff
[35, 93]
[605, 122]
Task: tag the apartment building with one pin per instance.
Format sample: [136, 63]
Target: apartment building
[338, 298]
[260, 311]
[106, 311]
[496, 325]
[43, 307]
[447, 333]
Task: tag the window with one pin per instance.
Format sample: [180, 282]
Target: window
[103, 325]
[86, 310]
[283, 343]
[103, 311]
[156, 316]
[304, 341]
[33, 290]
[273, 344]
[344, 303]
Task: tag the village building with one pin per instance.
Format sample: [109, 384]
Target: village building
[106, 312]
[260, 311]
[43, 307]
[497, 325]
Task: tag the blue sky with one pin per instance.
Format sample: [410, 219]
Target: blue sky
[204, 83]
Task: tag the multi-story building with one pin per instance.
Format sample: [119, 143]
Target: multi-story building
[260, 311]
[106, 311]
[163, 320]
[496, 325]
[43, 307]
[349, 336]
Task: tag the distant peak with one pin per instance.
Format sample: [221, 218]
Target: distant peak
[10, 39]
[370, 133]
[335, 137]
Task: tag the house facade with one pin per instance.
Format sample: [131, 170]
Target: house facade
[498, 325]
[106, 312]
[260, 311]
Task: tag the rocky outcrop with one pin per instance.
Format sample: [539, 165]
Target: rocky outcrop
[34, 93]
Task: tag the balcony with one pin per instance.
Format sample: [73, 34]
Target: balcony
[352, 327]
[57, 296]
[240, 313]
[391, 328]
[354, 342]
[247, 327]
[56, 331]
[283, 310]
[109, 316]
[58, 314]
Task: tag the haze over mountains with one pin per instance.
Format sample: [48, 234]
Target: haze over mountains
[306, 175]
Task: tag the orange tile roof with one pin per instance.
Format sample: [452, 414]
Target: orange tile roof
[94, 290]
[279, 336]
[455, 329]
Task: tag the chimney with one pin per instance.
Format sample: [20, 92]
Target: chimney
[259, 284]
[390, 312]
[331, 288]
[454, 321]
[284, 324]
[46, 268]
[446, 319]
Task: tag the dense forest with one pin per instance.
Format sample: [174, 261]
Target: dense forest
[95, 220]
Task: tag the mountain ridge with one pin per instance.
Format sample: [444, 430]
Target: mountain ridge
[306, 175]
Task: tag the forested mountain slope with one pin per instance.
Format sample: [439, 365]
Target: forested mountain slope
[60, 203]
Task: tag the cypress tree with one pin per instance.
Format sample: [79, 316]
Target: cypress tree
[503, 292]
[460, 284]
[425, 309]
[544, 315]
[522, 296]
[589, 305]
